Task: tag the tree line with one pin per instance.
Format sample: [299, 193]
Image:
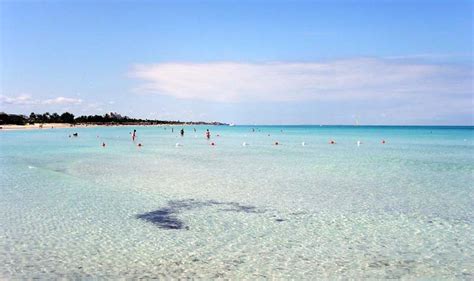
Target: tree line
[18, 119]
[66, 117]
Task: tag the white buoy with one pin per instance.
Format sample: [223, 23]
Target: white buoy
[244, 144]
[303, 143]
[178, 144]
[358, 143]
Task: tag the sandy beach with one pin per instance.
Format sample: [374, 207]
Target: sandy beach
[38, 126]
[45, 126]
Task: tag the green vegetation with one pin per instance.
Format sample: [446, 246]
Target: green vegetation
[111, 118]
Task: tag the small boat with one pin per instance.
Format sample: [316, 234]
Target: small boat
[231, 124]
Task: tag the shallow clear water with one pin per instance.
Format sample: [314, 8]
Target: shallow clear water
[404, 209]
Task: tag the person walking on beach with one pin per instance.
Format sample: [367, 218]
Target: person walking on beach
[182, 132]
[208, 134]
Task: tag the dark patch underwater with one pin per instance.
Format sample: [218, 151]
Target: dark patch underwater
[167, 217]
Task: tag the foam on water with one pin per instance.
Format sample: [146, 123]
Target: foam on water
[74, 209]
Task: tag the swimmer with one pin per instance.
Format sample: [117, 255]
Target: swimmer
[75, 134]
[134, 135]
[332, 142]
[213, 144]
[276, 143]
[103, 144]
[208, 134]
[194, 130]
[383, 141]
[139, 145]
[172, 130]
[182, 132]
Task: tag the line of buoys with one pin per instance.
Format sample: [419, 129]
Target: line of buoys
[247, 144]
[331, 141]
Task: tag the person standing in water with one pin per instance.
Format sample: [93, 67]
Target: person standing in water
[208, 134]
[134, 135]
[182, 132]
[172, 130]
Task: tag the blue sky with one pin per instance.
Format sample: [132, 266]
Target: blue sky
[272, 62]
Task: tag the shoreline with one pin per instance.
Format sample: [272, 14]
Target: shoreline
[49, 126]
[39, 126]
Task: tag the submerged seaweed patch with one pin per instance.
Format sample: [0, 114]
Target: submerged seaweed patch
[164, 218]
[167, 217]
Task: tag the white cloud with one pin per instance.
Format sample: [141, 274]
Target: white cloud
[29, 100]
[341, 80]
[62, 100]
[18, 100]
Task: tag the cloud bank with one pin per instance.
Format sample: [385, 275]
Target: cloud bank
[62, 100]
[363, 79]
[29, 100]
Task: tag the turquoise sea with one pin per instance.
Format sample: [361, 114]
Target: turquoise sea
[70, 208]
